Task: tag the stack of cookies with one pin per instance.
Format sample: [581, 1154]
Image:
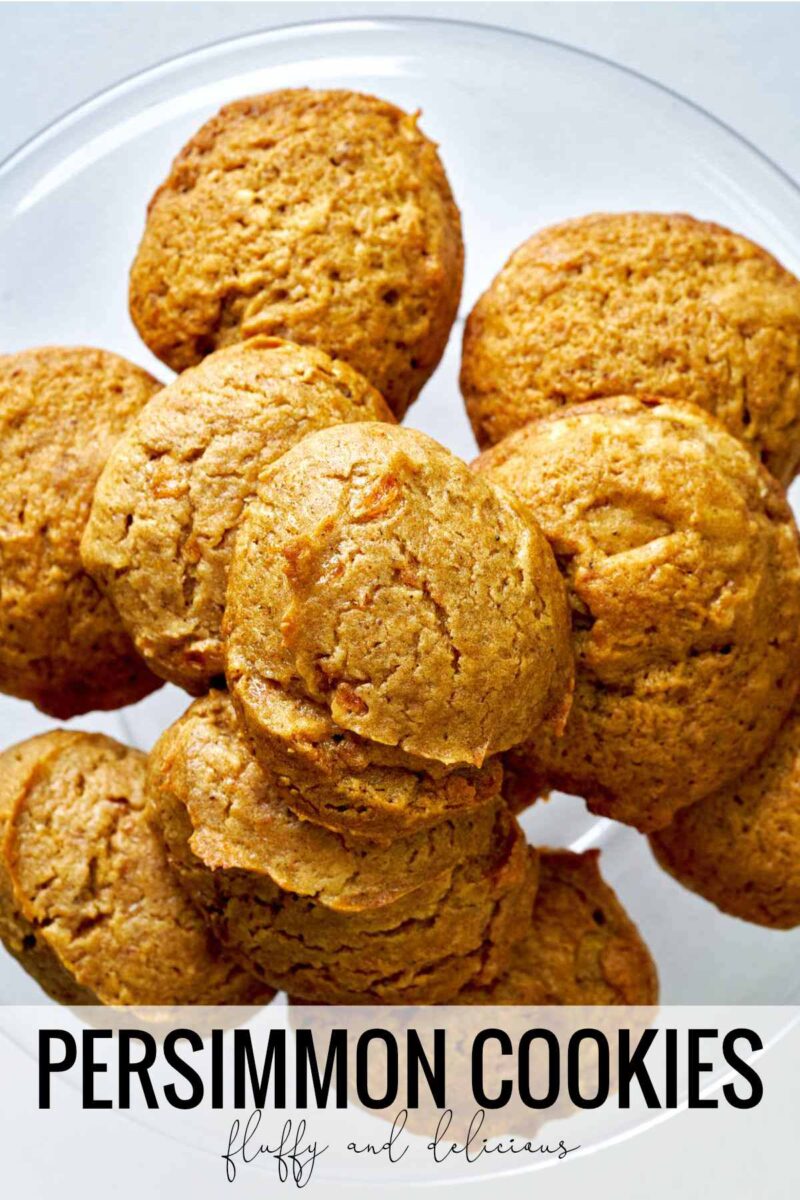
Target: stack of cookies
[340, 812]
[392, 654]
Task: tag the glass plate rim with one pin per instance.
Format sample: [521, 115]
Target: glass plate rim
[295, 29]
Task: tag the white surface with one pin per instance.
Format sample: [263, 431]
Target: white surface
[737, 60]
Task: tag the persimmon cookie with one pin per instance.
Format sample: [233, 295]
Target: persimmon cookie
[320, 216]
[62, 645]
[87, 873]
[681, 558]
[388, 610]
[740, 847]
[640, 303]
[160, 534]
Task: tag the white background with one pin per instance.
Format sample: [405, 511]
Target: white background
[738, 60]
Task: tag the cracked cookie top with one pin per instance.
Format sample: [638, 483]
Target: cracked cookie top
[381, 584]
[324, 217]
[91, 877]
[681, 558]
[639, 303]
[168, 504]
[62, 644]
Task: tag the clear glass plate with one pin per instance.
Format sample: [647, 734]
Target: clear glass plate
[531, 132]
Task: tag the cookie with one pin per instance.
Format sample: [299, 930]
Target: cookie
[640, 303]
[324, 217]
[740, 848]
[681, 558]
[240, 818]
[422, 948]
[581, 947]
[62, 645]
[382, 595]
[390, 627]
[88, 873]
[166, 508]
[20, 938]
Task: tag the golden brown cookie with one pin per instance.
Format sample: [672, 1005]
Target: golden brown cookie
[640, 303]
[415, 604]
[240, 818]
[166, 508]
[740, 848]
[323, 217]
[382, 595]
[91, 877]
[421, 948]
[17, 765]
[62, 645]
[681, 558]
[580, 948]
